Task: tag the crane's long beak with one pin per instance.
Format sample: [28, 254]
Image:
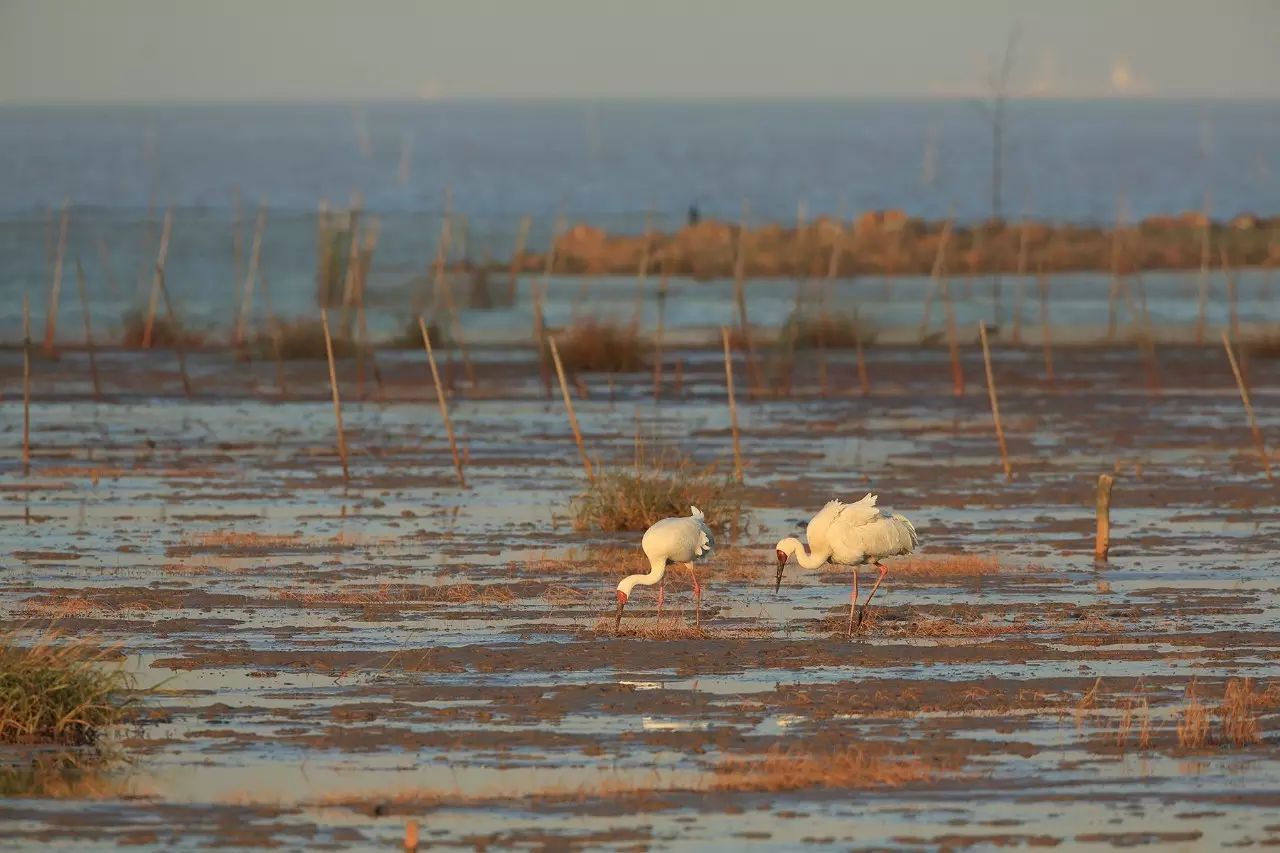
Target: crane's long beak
[622, 602]
[782, 564]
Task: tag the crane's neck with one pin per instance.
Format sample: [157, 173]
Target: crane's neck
[796, 549]
[657, 568]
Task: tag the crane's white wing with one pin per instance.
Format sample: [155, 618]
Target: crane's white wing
[819, 531]
[680, 540]
[881, 536]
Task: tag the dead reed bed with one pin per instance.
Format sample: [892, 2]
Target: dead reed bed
[634, 498]
[592, 345]
[393, 594]
[795, 769]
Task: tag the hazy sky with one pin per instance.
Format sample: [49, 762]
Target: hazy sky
[142, 50]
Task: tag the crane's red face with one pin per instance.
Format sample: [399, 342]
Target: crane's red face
[782, 564]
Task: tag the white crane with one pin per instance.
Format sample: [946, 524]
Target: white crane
[684, 540]
[850, 535]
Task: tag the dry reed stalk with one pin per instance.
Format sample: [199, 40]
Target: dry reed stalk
[733, 406]
[1193, 725]
[153, 303]
[995, 403]
[410, 828]
[1232, 298]
[250, 280]
[661, 330]
[179, 344]
[863, 381]
[1248, 405]
[444, 406]
[1042, 281]
[26, 386]
[1102, 539]
[540, 337]
[522, 236]
[55, 283]
[1202, 298]
[953, 342]
[568, 404]
[934, 276]
[740, 297]
[88, 329]
[352, 271]
[333, 387]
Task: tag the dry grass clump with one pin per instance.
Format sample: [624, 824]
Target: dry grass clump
[796, 769]
[300, 340]
[633, 499]
[463, 593]
[829, 331]
[600, 346]
[58, 691]
[1238, 712]
[672, 629]
[1193, 722]
[163, 332]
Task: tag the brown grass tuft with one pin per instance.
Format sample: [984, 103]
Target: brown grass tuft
[796, 769]
[1239, 714]
[599, 346]
[1193, 722]
[631, 499]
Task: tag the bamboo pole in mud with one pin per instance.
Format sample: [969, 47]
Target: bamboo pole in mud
[863, 381]
[26, 386]
[333, 387]
[179, 342]
[659, 332]
[55, 284]
[444, 406]
[250, 280]
[522, 236]
[1046, 339]
[1102, 539]
[934, 276]
[568, 404]
[411, 831]
[88, 329]
[733, 406]
[1248, 405]
[995, 402]
[1232, 295]
[153, 303]
[953, 342]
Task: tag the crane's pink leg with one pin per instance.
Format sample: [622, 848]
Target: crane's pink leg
[863, 612]
[697, 597]
[853, 601]
[662, 594]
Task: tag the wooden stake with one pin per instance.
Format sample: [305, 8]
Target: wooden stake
[1248, 406]
[953, 343]
[733, 406]
[55, 286]
[995, 403]
[410, 828]
[1043, 281]
[179, 344]
[26, 386]
[568, 404]
[1102, 540]
[333, 386]
[154, 302]
[444, 407]
[88, 329]
[255, 258]
[934, 276]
